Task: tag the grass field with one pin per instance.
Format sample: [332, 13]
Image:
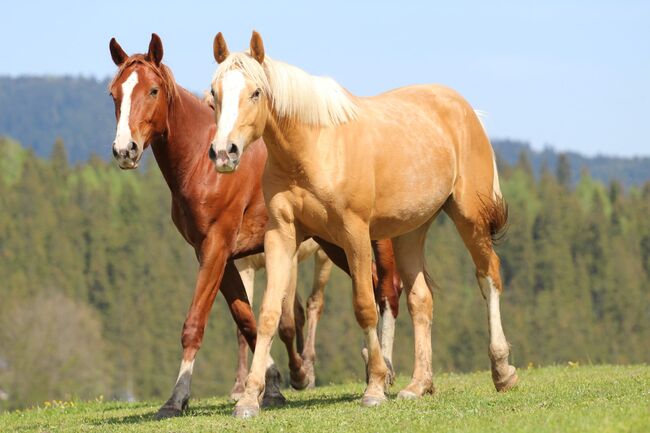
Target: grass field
[551, 399]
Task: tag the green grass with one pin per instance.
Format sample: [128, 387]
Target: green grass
[551, 399]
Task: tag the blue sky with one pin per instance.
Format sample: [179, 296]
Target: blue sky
[573, 75]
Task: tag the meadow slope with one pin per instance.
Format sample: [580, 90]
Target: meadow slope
[550, 399]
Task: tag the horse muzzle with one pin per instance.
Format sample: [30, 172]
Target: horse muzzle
[225, 161]
[128, 157]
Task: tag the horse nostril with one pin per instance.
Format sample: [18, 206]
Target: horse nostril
[114, 151]
[133, 146]
[232, 148]
[212, 154]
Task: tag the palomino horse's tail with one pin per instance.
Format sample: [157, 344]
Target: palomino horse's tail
[494, 212]
[494, 209]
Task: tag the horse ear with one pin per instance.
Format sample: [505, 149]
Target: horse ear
[155, 53]
[220, 48]
[257, 47]
[117, 53]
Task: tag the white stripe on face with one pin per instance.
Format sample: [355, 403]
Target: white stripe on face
[123, 135]
[231, 87]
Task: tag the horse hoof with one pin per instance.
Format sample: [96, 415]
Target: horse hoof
[167, 412]
[407, 395]
[299, 383]
[508, 383]
[372, 401]
[246, 412]
[273, 400]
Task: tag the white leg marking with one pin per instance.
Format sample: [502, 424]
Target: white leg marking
[123, 135]
[186, 368]
[498, 343]
[231, 87]
[387, 333]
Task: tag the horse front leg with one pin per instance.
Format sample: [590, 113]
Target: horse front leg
[212, 262]
[280, 246]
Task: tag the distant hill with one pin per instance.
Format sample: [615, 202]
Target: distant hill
[37, 110]
[629, 171]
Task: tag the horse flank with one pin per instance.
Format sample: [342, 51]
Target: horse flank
[294, 94]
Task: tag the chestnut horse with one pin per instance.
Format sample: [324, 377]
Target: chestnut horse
[221, 217]
[351, 169]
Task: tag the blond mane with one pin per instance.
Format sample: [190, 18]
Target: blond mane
[294, 93]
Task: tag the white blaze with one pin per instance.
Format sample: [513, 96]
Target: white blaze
[231, 87]
[123, 135]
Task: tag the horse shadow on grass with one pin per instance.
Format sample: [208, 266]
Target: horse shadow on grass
[226, 409]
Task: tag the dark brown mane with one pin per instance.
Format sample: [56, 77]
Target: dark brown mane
[162, 71]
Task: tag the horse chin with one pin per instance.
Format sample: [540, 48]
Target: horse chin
[129, 165]
[227, 168]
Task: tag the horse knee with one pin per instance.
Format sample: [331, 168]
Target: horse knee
[192, 336]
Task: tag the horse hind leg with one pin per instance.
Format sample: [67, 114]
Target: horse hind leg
[387, 293]
[478, 222]
[287, 332]
[247, 275]
[409, 255]
[315, 303]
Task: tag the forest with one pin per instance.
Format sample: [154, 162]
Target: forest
[95, 282]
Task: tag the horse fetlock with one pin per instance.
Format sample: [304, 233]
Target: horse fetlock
[504, 377]
[416, 389]
[237, 391]
[299, 379]
[308, 366]
[499, 352]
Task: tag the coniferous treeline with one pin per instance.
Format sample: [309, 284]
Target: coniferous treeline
[94, 278]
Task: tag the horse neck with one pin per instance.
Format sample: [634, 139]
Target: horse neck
[287, 142]
[179, 152]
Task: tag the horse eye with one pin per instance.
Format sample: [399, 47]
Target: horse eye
[256, 93]
[154, 91]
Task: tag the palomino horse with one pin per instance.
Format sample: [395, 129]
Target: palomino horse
[222, 217]
[351, 169]
[322, 269]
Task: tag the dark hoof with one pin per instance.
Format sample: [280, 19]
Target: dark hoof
[273, 400]
[168, 412]
[246, 412]
[372, 401]
[507, 383]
